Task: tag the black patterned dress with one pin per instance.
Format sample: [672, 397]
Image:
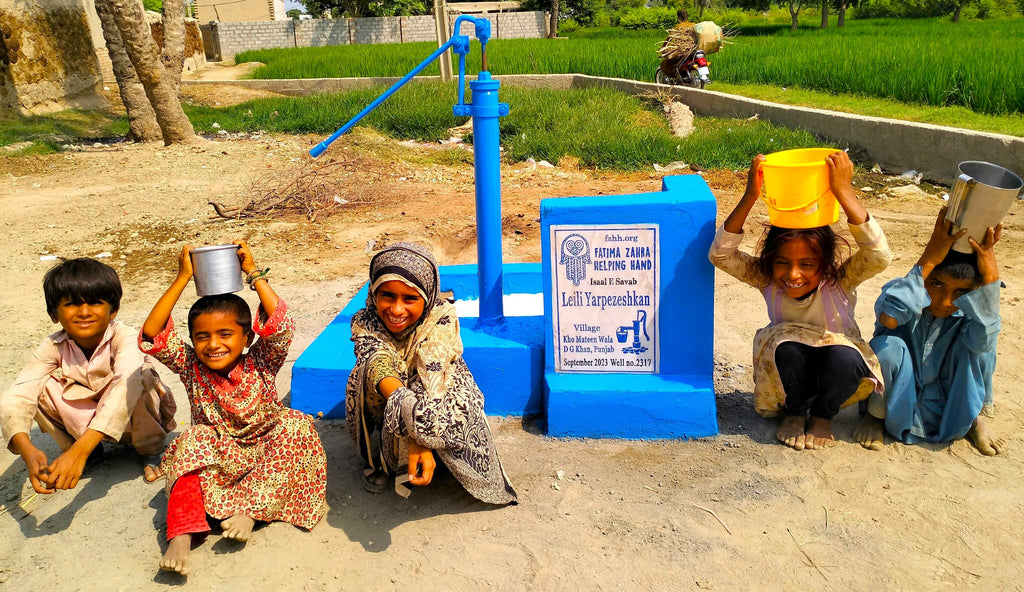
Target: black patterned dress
[440, 407]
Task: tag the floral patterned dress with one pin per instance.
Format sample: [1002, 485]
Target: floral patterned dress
[254, 456]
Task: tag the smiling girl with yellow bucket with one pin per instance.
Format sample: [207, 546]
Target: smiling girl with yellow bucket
[810, 360]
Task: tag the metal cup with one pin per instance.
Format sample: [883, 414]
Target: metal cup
[982, 195]
[216, 270]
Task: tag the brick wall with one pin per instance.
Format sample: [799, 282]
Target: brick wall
[232, 38]
[321, 32]
[519, 25]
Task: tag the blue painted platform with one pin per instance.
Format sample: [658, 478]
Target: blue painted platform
[507, 360]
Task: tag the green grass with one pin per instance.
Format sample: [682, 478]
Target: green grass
[46, 134]
[543, 124]
[974, 64]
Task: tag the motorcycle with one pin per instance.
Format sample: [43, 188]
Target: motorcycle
[690, 71]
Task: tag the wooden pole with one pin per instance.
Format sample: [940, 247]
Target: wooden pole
[441, 27]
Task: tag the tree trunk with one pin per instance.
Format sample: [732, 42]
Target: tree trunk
[703, 5]
[842, 15]
[553, 32]
[794, 11]
[824, 14]
[142, 126]
[172, 56]
[160, 87]
[956, 12]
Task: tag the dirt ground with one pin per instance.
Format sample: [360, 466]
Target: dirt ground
[733, 512]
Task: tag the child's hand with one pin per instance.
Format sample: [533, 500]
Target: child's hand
[36, 463]
[939, 243]
[421, 464]
[66, 470]
[754, 178]
[185, 262]
[987, 254]
[887, 321]
[840, 181]
[840, 174]
[245, 257]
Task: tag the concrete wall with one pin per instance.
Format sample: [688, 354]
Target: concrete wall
[933, 150]
[47, 60]
[236, 37]
[895, 145]
[519, 25]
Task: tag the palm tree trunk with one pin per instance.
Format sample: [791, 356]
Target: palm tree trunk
[161, 87]
[172, 56]
[553, 25]
[142, 126]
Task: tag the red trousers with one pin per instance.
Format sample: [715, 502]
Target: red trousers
[186, 513]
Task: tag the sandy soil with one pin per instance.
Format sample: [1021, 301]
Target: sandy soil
[624, 516]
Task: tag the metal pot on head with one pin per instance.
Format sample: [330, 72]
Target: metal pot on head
[216, 270]
[982, 195]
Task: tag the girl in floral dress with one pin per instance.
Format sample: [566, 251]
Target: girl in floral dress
[246, 457]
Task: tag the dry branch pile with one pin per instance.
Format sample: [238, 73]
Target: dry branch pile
[316, 189]
[681, 42]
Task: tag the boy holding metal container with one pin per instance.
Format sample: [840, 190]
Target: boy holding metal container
[935, 339]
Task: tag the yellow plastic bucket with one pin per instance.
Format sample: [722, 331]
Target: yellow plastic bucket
[796, 188]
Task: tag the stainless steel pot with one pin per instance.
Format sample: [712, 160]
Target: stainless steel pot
[982, 194]
[216, 270]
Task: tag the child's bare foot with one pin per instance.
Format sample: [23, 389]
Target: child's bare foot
[176, 556]
[984, 439]
[151, 468]
[791, 431]
[870, 432]
[238, 527]
[819, 433]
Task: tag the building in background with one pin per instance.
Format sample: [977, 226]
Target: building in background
[238, 11]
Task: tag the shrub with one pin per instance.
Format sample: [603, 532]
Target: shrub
[648, 18]
[568, 26]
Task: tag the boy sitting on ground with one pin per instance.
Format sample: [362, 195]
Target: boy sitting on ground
[936, 341]
[86, 383]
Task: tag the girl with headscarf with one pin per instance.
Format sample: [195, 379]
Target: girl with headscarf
[412, 387]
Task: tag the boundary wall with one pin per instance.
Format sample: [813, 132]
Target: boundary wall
[225, 39]
[933, 150]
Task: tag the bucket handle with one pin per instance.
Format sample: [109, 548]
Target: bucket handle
[800, 207]
[960, 193]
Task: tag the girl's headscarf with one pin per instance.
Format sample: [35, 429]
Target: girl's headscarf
[414, 266]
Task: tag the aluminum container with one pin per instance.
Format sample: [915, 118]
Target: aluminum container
[982, 195]
[216, 270]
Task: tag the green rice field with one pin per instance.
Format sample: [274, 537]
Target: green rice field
[975, 64]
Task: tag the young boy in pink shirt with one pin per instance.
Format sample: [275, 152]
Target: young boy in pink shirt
[86, 383]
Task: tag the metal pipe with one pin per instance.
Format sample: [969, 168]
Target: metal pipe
[322, 146]
[487, 167]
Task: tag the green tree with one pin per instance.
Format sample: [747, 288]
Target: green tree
[293, 13]
[358, 8]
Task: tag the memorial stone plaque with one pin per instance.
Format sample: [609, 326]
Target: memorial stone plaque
[605, 297]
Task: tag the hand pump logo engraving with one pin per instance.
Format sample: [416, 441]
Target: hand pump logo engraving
[575, 257]
[638, 326]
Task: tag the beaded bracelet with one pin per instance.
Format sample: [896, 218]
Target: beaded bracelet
[256, 275]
